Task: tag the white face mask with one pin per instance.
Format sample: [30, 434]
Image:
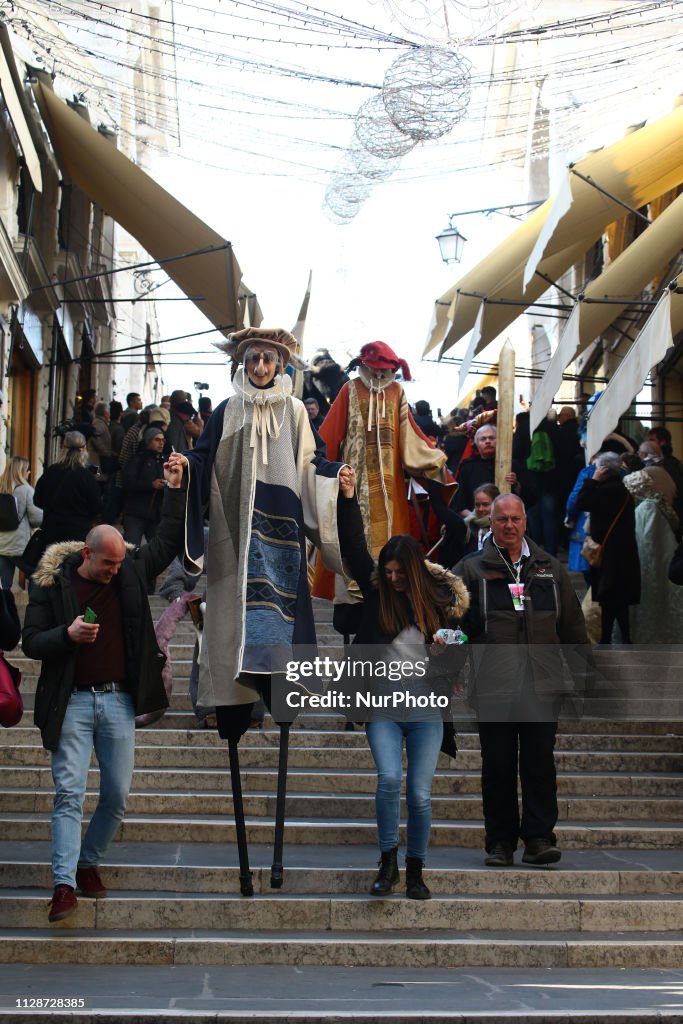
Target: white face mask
[375, 380]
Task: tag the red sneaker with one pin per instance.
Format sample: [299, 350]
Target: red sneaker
[62, 904]
[89, 883]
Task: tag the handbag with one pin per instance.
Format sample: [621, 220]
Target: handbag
[448, 742]
[594, 552]
[10, 627]
[32, 553]
[9, 513]
[11, 704]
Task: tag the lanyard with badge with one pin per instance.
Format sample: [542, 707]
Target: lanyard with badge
[517, 588]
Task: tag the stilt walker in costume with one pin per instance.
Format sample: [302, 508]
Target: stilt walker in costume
[268, 488]
[371, 428]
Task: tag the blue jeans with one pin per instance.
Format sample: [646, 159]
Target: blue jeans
[543, 523]
[423, 742]
[107, 722]
[7, 568]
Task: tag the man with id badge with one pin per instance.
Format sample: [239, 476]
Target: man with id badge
[525, 626]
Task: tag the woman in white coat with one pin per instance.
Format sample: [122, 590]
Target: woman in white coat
[14, 481]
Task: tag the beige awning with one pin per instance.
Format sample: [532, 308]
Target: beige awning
[499, 266]
[15, 108]
[640, 167]
[676, 313]
[438, 329]
[605, 299]
[162, 225]
[624, 279]
[250, 311]
[498, 315]
[649, 348]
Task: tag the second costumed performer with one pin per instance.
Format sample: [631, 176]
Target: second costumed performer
[371, 427]
[268, 487]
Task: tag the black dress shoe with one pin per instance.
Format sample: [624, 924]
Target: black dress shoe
[499, 856]
[540, 851]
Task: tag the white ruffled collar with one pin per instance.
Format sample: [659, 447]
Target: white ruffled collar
[281, 388]
[264, 423]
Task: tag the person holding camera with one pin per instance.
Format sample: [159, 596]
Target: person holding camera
[205, 410]
[185, 426]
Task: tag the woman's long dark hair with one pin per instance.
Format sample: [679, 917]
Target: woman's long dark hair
[424, 597]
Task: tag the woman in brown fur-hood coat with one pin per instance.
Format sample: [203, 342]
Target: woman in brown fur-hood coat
[53, 607]
[405, 601]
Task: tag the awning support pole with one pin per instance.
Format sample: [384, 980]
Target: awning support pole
[137, 266]
[563, 291]
[599, 188]
[515, 302]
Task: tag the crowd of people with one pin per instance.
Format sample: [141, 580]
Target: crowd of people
[109, 470]
[411, 530]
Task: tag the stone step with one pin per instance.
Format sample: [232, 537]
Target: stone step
[198, 781]
[631, 680]
[310, 995]
[301, 881]
[664, 672]
[643, 654]
[180, 715]
[619, 705]
[336, 831]
[357, 949]
[326, 759]
[25, 735]
[659, 656]
[321, 806]
[142, 912]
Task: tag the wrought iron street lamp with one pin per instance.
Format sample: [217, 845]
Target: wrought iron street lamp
[452, 242]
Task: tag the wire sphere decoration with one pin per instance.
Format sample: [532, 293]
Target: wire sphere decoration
[437, 22]
[427, 91]
[376, 133]
[368, 165]
[346, 192]
[339, 208]
[346, 181]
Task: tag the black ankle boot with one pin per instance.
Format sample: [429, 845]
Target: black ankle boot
[415, 887]
[387, 876]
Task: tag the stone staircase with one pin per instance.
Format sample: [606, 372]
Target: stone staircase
[614, 901]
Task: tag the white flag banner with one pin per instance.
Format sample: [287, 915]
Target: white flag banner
[561, 206]
[552, 378]
[298, 333]
[475, 337]
[647, 350]
[300, 325]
